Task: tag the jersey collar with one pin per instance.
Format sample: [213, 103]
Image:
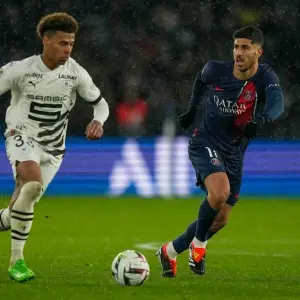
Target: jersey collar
[43, 67]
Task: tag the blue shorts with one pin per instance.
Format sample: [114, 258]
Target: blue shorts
[207, 159]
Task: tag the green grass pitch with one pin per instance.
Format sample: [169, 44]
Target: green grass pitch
[74, 240]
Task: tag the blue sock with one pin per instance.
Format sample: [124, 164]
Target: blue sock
[210, 234]
[182, 242]
[206, 218]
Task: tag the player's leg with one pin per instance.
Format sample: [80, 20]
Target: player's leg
[5, 216]
[22, 214]
[218, 189]
[206, 161]
[168, 252]
[220, 221]
[24, 157]
[182, 242]
[224, 213]
[234, 171]
[16, 145]
[48, 168]
[4, 219]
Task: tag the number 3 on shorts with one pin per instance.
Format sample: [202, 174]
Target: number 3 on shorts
[19, 141]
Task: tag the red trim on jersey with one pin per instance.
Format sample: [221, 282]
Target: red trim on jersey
[247, 104]
[217, 88]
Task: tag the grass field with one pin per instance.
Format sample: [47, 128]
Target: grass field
[73, 242]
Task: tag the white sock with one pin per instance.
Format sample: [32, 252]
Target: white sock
[199, 244]
[4, 219]
[171, 251]
[22, 218]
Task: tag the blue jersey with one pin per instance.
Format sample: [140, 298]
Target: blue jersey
[231, 103]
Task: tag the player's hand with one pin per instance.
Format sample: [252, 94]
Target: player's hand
[94, 130]
[251, 130]
[187, 119]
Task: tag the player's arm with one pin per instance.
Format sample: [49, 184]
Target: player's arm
[8, 78]
[88, 91]
[198, 92]
[273, 109]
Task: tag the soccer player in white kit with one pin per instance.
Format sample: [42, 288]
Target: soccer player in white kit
[43, 92]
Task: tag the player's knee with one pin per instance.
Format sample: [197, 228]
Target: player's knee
[28, 171]
[218, 187]
[32, 190]
[218, 197]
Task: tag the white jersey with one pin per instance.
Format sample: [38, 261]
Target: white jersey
[41, 99]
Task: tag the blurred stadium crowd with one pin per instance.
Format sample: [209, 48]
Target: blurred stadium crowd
[144, 55]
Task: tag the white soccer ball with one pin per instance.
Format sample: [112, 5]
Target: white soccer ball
[130, 267]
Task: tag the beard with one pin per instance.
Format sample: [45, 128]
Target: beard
[246, 67]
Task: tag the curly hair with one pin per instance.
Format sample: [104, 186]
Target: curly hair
[56, 22]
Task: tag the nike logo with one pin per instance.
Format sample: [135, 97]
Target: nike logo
[32, 83]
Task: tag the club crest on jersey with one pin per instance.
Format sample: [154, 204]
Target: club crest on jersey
[215, 161]
[248, 95]
[67, 85]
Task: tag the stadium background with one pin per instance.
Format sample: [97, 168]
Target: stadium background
[144, 57]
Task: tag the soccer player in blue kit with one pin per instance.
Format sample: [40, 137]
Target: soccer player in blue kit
[240, 97]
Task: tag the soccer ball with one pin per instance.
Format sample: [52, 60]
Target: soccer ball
[130, 268]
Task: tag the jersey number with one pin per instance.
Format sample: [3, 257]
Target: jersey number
[20, 142]
[42, 114]
[212, 153]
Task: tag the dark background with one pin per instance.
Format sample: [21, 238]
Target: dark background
[144, 55]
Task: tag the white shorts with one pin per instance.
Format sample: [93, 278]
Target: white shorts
[20, 147]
